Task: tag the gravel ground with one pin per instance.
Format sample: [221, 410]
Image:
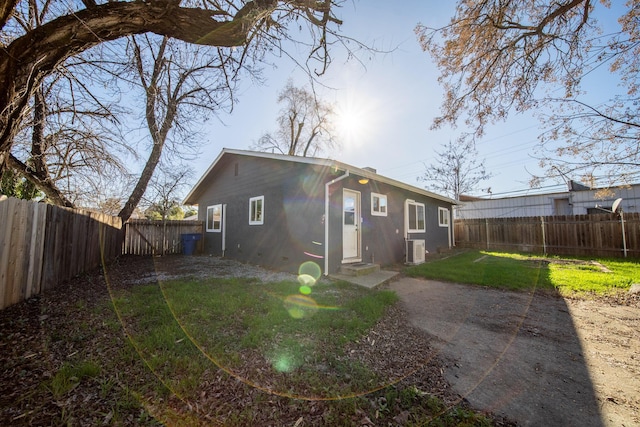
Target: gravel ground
[203, 267]
[536, 358]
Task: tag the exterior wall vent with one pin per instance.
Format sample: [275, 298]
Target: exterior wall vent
[415, 251]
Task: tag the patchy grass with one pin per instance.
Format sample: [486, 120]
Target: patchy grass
[70, 375]
[272, 337]
[523, 272]
[601, 276]
[183, 325]
[78, 357]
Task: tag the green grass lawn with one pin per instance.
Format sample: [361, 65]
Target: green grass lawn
[276, 337]
[185, 325]
[518, 271]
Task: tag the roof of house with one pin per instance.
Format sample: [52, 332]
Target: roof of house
[190, 199]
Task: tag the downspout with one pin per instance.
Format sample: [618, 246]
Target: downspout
[452, 222]
[326, 219]
[406, 219]
[224, 229]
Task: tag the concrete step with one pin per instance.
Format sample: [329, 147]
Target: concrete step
[359, 269]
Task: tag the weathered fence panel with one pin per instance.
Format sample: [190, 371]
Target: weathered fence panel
[42, 245]
[146, 237]
[579, 235]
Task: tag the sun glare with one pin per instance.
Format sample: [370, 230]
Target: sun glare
[351, 124]
[354, 120]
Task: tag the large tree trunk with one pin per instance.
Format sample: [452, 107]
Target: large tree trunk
[143, 181]
[6, 9]
[38, 147]
[158, 133]
[28, 59]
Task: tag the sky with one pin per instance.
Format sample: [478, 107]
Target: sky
[385, 105]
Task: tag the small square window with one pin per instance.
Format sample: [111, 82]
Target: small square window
[256, 210]
[214, 218]
[443, 217]
[378, 204]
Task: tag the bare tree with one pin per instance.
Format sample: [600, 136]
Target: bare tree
[110, 206]
[64, 139]
[254, 27]
[456, 170]
[179, 82]
[164, 193]
[305, 124]
[500, 57]
[63, 131]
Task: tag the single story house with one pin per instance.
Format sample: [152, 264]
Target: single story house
[282, 211]
[578, 199]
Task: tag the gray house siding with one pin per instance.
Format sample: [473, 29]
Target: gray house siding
[383, 237]
[295, 226]
[292, 231]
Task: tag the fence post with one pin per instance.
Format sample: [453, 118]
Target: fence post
[624, 240]
[486, 228]
[544, 240]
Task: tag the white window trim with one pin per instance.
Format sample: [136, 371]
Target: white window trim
[386, 205]
[255, 199]
[446, 217]
[212, 229]
[410, 203]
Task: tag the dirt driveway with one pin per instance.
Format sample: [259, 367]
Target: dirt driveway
[534, 358]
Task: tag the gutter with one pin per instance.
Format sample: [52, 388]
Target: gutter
[326, 219]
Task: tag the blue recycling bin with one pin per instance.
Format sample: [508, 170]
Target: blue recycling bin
[189, 242]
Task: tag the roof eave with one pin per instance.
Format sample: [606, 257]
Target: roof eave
[190, 198]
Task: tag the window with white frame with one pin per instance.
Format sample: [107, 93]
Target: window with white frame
[415, 217]
[378, 204]
[443, 217]
[256, 210]
[214, 218]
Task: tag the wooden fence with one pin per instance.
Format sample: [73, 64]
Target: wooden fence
[145, 237]
[43, 245]
[581, 235]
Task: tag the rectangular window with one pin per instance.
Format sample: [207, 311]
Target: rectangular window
[415, 217]
[378, 204]
[443, 217]
[256, 210]
[214, 218]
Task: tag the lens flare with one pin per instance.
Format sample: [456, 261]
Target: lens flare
[305, 290]
[283, 363]
[300, 306]
[311, 269]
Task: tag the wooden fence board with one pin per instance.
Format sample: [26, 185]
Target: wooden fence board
[41, 246]
[145, 237]
[585, 235]
[5, 237]
[16, 247]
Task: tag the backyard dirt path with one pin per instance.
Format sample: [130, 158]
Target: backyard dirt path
[533, 357]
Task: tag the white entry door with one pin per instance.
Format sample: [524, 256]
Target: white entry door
[350, 226]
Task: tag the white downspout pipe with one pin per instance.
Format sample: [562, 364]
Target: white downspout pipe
[326, 219]
[224, 229]
[452, 224]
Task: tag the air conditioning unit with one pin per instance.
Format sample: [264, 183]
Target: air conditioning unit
[415, 251]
